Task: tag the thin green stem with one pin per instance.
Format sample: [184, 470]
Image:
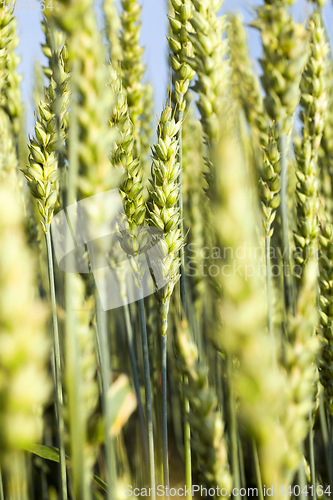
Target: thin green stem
[302, 480]
[324, 434]
[149, 410]
[257, 470]
[17, 488]
[312, 457]
[73, 379]
[164, 410]
[241, 463]
[187, 446]
[181, 208]
[57, 366]
[182, 281]
[73, 385]
[331, 443]
[105, 361]
[285, 225]
[1, 487]
[136, 381]
[233, 427]
[270, 295]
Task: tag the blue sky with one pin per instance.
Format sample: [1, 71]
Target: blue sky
[154, 28]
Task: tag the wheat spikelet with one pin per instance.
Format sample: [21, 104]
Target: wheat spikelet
[270, 182]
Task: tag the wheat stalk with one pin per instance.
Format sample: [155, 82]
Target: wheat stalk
[42, 175]
[259, 387]
[206, 421]
[91, 145]
[82, 388]
[163, 213]
[133, 241]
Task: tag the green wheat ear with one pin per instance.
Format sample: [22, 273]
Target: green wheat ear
[326, 309]
[25, 349]
[132, 64]
[163, 210]
[301, 353]
[42, 173]
[10, 94]
[245, 83]
[195, 204]
[210, 62]
[285, 45]
[313, 111]
[181, 48]
[241, 333]
[112, 31]
[147, 128]
[8, 157]
[325, 152]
